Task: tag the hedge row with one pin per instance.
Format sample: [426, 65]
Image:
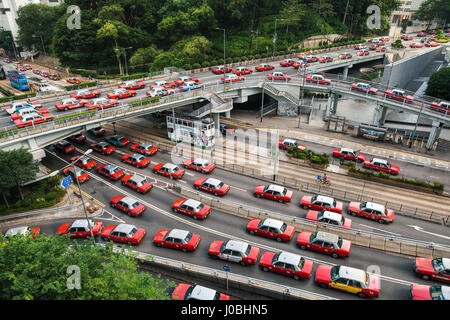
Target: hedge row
[144, 101]
[313, 157]
[18, 97]
[435, 185]
[81, 85]
[134, 76]
[43, 194]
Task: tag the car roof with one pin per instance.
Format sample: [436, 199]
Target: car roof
[68, 100]
[290, 140]
[202, 293]
[328, 237]
[379, 160]
[137, 178]
[145, 145]
[128, 200]
[192, 203]
[325, 199]
[77, 171]
[352, 273]
[212, 181]
[124, 227]
[332, 215]
[178, 233]
[17, 230]
[200, 160]
[273, 223]
[289, 258]
[103, 143]
[347, 149]
[275, 187]
[137, 156]
[362, 83]
[446, 292]
[375, 206]
[110, 167]
[237, 245]
[170, 166]
[82, 223]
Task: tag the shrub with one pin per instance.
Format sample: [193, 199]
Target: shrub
[196, 66]
[187, 66]
[244, 58]
[81, 85]
[205, 64]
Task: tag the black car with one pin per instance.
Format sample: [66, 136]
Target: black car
[224, 129]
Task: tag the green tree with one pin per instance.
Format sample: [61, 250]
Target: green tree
[439, 84]
[6, 41]
[6, 179]
[22, 167]
[144, 55]
[294, 13]
[37, 269]
[36, 21]
[430, 10]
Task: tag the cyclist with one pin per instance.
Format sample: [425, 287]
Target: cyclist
[325, 178]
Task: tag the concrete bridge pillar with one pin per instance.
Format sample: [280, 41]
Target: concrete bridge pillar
[345, 74]
[335, 102]
[217, 123]
[436, 127]
[383, 115]
[328, 110]
[376, 115]
[228, 114]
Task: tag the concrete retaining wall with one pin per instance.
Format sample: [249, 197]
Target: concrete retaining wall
[403, 71]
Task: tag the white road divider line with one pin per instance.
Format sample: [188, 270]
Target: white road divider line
[370, 227]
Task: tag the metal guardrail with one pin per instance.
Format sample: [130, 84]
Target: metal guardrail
[236, 280]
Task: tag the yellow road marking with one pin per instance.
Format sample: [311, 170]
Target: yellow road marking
[88, 196]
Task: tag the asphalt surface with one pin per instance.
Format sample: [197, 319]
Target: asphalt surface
[396, 270]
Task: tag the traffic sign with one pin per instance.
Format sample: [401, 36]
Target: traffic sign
[226, 268]
[66, 182]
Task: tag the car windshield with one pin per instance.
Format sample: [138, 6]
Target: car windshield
[436, 293]
[248, 250]
[283, 227]
[334, 273]
[188, 237]
[275, 257]
[220, 185]
[199, 207]
[134, 205]
[334, 203]
[115, 170]
[301, 263]
[339, 242]
[363, 205]
[133, 231]
[342, 221]
[438, 265]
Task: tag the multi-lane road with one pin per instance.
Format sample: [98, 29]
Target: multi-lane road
[396, 271]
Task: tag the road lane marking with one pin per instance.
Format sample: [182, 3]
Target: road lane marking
[396, 234]
[417, 228]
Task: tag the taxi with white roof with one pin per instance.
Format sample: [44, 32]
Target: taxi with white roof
[381, 165]
[192, 208]
[273, 192]
[137, 183]
[424, 292]
[288, 264]
[200, 165]
[185, 291]
[435, 269]
[137, 160]
[234, 251]
[84, 162]
[271, 228]
[129, 205]
[177, 239]
[287, 143]
[22, 230]
[80, 228]
[324, 242]
[78, 173]
[348, 279]
[146, 149]
[123, 233]
[371, 210]
[333, 218]
[111, 171]
[211, 185]
[319, 203]
[348, 154]
[169, 170]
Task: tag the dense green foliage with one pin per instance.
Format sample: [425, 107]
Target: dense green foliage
[38, 269]
[430, 10]
[313, 157]
[183, 33]
[16, 167]
[439, 84]
[41, 194]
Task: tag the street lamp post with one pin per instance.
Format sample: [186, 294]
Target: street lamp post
[224, 57]
[275, 37]
[81, 195]
[415, 127]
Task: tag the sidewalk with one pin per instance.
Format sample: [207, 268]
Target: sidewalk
[438, 159]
